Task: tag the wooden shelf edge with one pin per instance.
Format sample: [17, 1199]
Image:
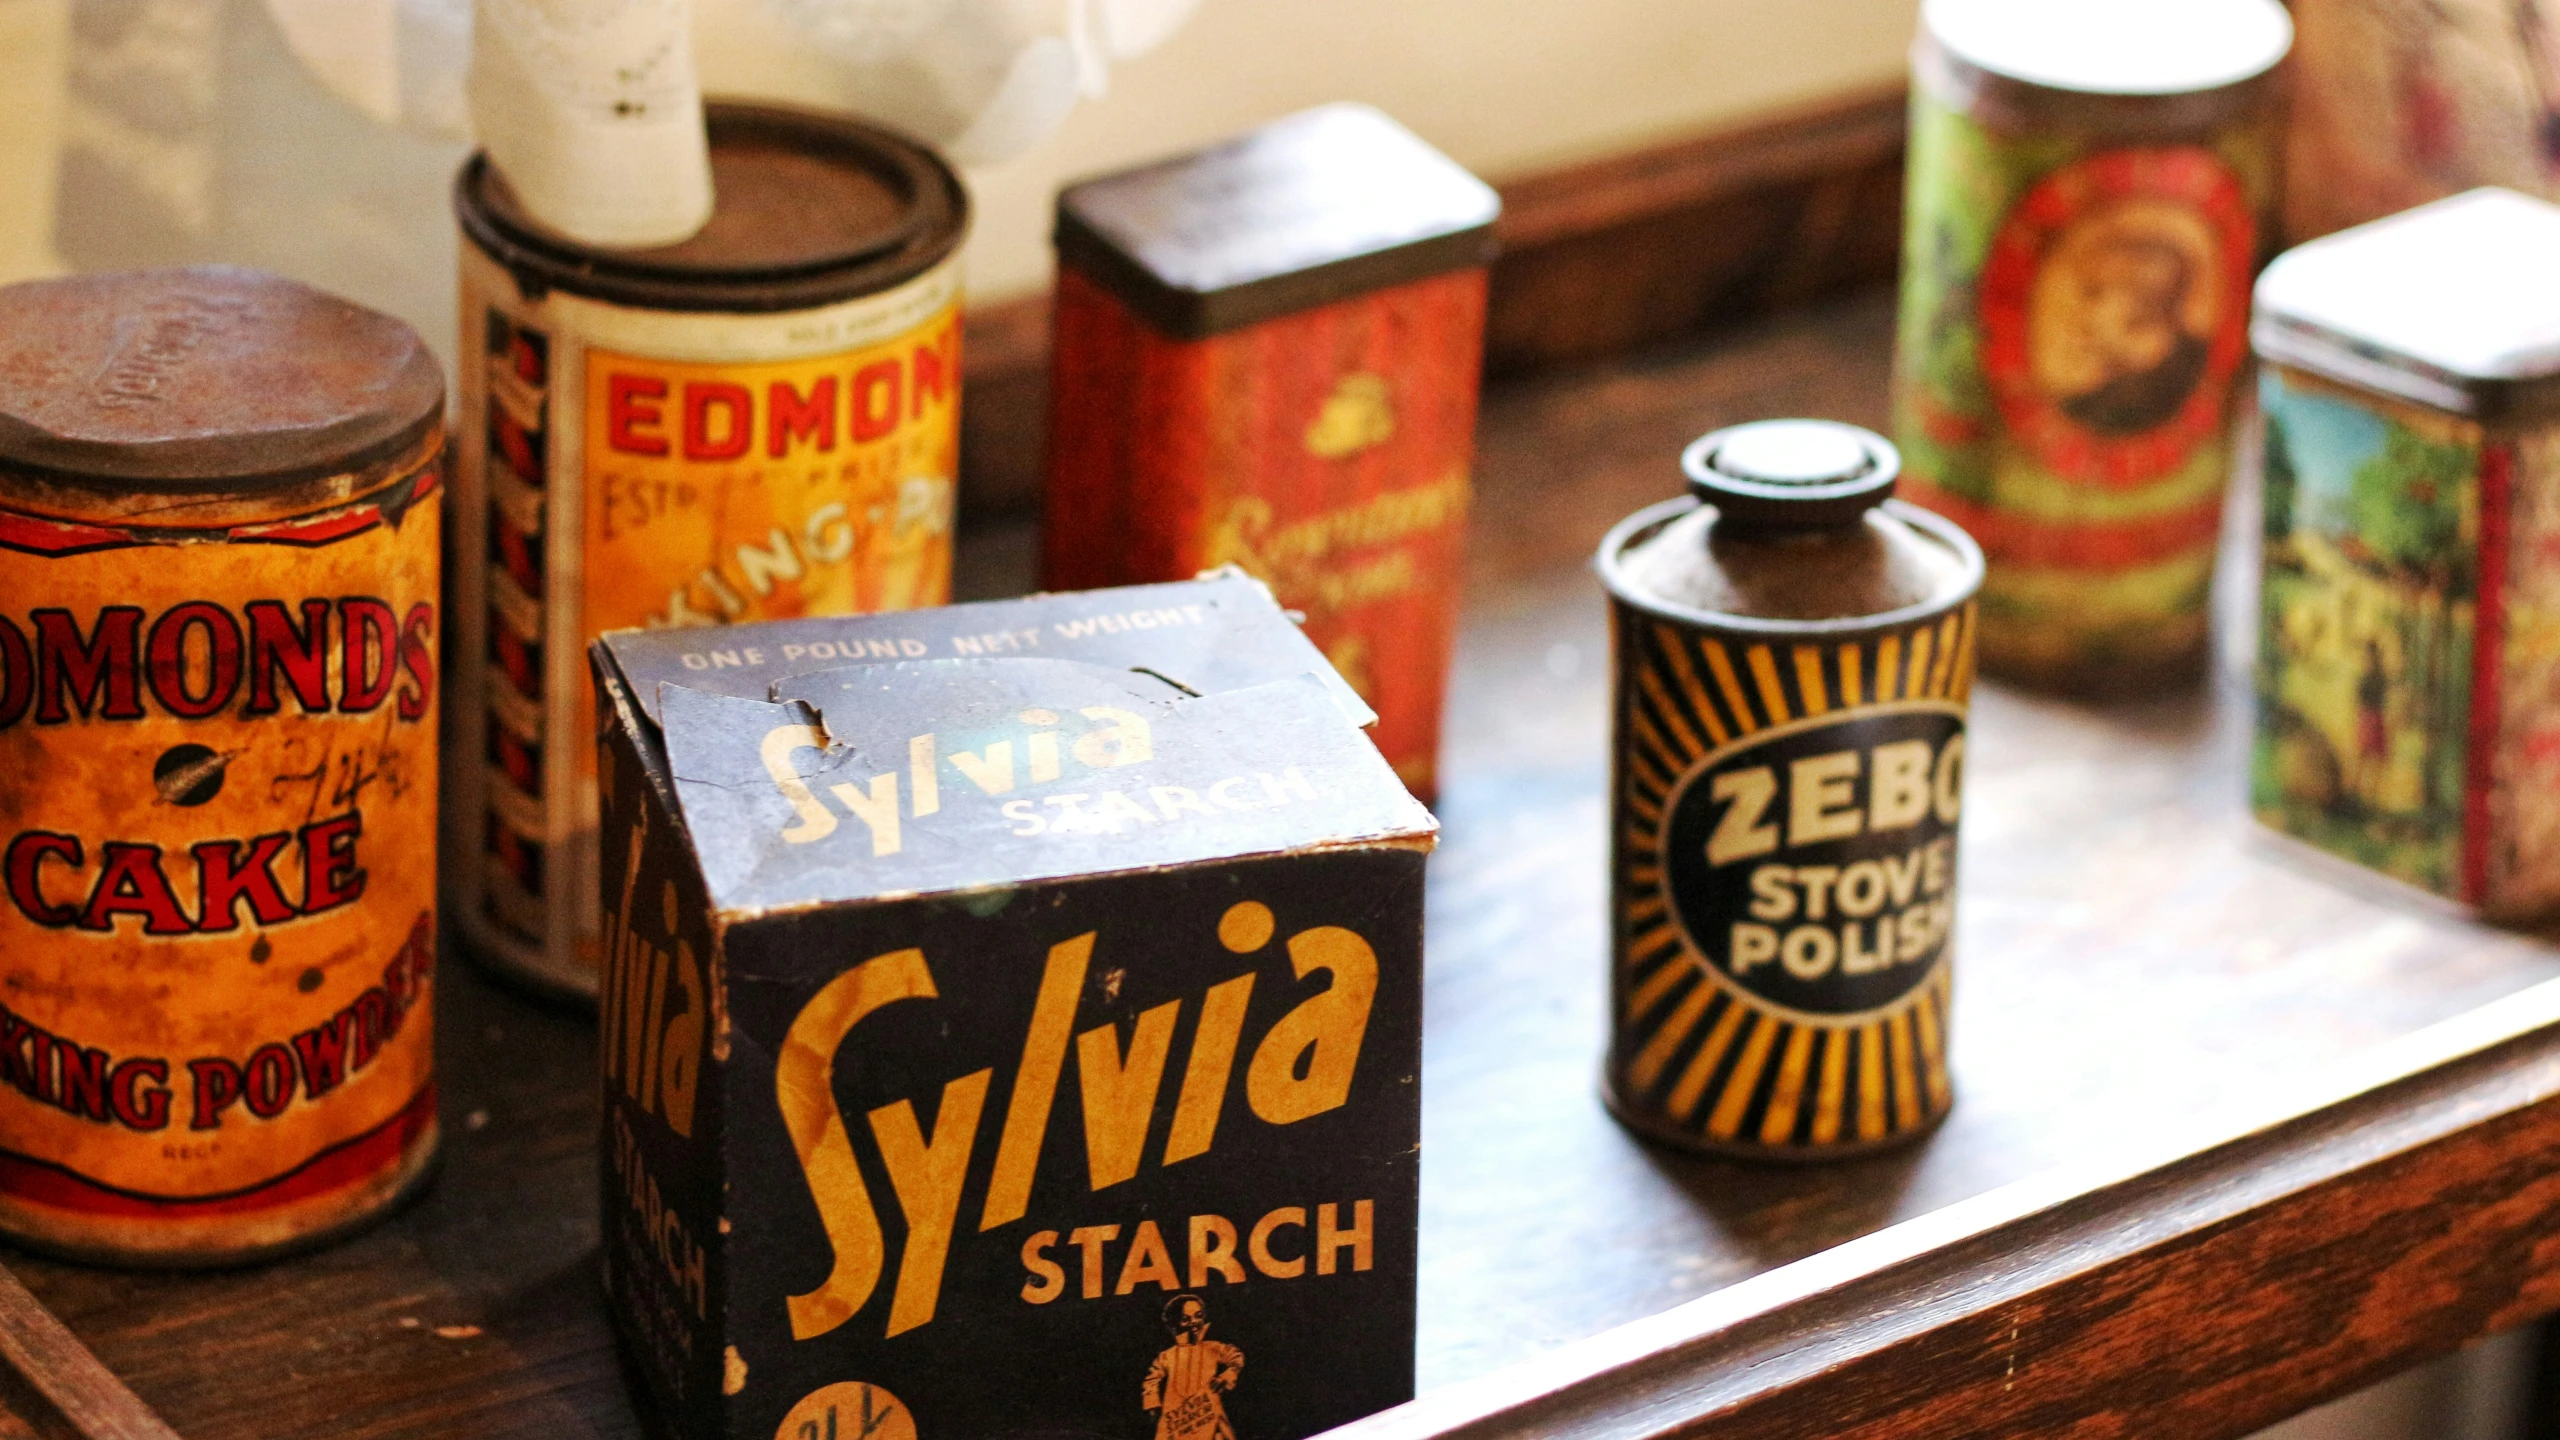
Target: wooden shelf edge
[2203, 1282]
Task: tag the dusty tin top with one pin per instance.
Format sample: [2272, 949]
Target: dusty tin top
[205, 380]
[1311, 208]
[2121, 70]
[2454, 304]
[1790, 528]
[2115, 47]
[807, 210]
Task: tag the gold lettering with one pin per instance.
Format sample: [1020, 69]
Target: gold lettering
[1258, 1244]
[877, 809]
[815, 822]
[1821, 798]
[1739, 832]
[1205, 1074]
[1126, 741]
[1948, 784]
[1120, 1095]
[1213, 1251]
[1900, 790]
[1090, 1239]
[804, 1089]
[1331, 1024]
[1331, 1239]
[926, 1176]
[1147, 1260]
[923, 782]
[992, 773]
[1035, 1083]
[1052, 1281]
[680, 1057]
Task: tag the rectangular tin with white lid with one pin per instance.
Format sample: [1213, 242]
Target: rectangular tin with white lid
[2409, 637]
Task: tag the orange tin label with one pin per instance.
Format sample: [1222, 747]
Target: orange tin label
[217, 950]
[659, 469]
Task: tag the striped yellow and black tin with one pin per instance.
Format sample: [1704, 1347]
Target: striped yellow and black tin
[1785, 800]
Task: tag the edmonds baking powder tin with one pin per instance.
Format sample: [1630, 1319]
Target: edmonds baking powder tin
[758, 423]
[1794, 655]
[2091, 189]
[219, 534]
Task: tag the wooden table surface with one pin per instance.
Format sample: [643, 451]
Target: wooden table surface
[2134, 960]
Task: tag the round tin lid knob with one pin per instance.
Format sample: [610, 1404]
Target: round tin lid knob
[1792, 474]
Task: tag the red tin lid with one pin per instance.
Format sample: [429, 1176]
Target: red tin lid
[1310, 209]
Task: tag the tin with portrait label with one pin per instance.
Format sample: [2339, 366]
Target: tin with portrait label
[1794, 655]
[2090, 192]
[758, 423]
[219, 565]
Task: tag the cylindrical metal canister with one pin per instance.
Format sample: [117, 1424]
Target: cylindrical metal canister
[2090, 189]
[1794, 654]
[1267, 356]
[219, 538]
[761, 422]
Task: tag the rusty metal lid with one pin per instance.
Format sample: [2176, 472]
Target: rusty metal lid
[2454, 305]
[209, 379]
[807, 210]
[1309, 209]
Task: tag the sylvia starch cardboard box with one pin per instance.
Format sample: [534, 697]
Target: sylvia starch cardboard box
[1011, 1024]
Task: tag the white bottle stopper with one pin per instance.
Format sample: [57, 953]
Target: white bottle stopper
[591, 111]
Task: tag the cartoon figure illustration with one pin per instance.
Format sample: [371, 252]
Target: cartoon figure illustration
[1187, 1383]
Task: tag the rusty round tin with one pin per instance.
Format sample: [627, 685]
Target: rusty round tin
[219, 539]
[1794, 654]
[2091, 189]
[758, 423]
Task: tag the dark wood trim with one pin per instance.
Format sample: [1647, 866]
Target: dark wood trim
[1602, 257]
[2190, 1286]
[1597, 258]
[82, 1395]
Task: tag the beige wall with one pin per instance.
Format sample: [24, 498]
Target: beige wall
[1502, 85]
[196, 137]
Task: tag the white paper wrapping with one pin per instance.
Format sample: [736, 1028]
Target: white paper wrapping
[983, 80]
[590, 109]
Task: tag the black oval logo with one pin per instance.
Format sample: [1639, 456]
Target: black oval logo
[1814, 865]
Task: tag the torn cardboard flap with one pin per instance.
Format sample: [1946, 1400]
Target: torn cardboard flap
[1221, 632]
[932, 776]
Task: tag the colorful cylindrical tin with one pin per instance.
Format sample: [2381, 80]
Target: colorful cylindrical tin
[219, 535]
[1267, 356]
[2089, 192]
[1794, 656]
[758, 423]
[2409, 638]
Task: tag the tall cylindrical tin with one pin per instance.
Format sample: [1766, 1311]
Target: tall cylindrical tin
[219, 527]
[2090, 189]
[1794, 654]
[761, 422]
